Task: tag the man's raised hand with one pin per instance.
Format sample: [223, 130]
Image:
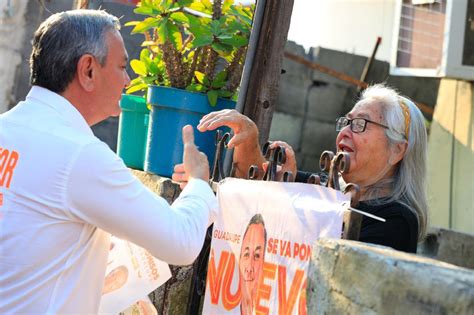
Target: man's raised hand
[195, 164]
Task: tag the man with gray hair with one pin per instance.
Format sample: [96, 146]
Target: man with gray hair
[63, 191]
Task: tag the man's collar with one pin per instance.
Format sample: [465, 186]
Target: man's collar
[60, 105]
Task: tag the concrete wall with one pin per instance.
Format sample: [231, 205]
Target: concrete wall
[348, 277]
[449, 246]
[451, 157]
[309, 101]
[12, 32]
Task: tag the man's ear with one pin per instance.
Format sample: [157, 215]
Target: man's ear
[398, 152]
[86, 68]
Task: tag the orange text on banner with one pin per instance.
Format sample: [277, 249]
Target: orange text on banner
[219, 282]
[289, 249]
[215, 277]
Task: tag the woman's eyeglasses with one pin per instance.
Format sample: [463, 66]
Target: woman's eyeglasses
[357, 124]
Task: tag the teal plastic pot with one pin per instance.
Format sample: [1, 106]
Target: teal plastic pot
[133, 130]
[171, 110]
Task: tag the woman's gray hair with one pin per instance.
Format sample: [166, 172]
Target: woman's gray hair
[62, 40]
[409, 181]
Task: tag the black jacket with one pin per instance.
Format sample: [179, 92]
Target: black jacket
[400, 231]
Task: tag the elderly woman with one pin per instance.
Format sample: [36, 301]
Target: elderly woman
[385, 136]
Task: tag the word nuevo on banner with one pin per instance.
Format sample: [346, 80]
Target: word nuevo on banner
[290, 293]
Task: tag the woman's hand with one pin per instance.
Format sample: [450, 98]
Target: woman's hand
[290, 162]
[245, 130]
[244, 142]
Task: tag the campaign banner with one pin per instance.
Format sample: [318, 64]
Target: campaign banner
[131, 274]
[261, 244]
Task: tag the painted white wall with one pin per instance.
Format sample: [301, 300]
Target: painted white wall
[346, 25]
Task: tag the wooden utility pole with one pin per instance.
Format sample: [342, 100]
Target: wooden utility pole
[264, 78]
[81, 4]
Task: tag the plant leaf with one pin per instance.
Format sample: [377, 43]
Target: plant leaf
[137, 80]
[201, 40]
[225, 94]
[150, 80]
[144, 53]
[201, 77]
[226, 5]
[196, 87]
[138, 67]
[222, 49]
[235, 41]
[198, 6]
[162, 31]
[175, 36]
[153, 68]
[193, 20]
[145, 25]
[212, 97]
[207, 4]
[146, 10]
[216, 27]
[148, 43]
[185, 3]
[132, 23]
[166, 4]
[136, 88]
[219, 80]
[179, 17]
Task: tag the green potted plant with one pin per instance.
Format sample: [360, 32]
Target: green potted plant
[191, 64]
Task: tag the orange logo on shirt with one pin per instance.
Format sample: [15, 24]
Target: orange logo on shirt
[8, 161]
[1, 199]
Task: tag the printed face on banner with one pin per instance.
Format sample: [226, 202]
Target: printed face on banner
[261, 245]
[252, 254]
[115, 279]
[131, 274]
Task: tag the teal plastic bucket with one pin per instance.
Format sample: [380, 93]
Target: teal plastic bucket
[133, 130]
[171, 110]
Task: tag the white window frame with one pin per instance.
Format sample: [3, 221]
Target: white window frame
[452, 53]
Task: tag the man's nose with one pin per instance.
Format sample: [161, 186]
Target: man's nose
[127, 79]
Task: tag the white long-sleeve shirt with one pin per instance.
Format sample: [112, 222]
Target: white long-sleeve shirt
[62, 192]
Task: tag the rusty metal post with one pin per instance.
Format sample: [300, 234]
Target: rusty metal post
[266, 68]
[81, 4]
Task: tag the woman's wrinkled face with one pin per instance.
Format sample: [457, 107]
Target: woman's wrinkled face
[369, 150]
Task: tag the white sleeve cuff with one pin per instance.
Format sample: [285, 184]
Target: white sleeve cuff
[199, 188]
